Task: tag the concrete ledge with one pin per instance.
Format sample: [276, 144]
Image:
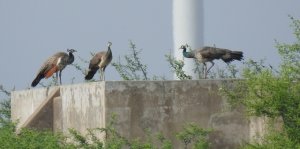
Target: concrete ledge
[161, 106]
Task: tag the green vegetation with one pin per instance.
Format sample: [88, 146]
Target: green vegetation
[133, 69]
[29, 138]
[266, 92]
[177, 67]
[195, 136]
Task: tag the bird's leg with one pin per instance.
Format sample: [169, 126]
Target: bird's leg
[212, 64]
[100, 73]
[103, 71]
[103, 76]
[204, 70]
[56, 79]
[60, 77]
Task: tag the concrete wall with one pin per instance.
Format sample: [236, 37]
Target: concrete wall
[83, 106]
[25, 103]
[161, 106]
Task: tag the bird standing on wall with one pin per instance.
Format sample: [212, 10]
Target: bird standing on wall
[99, 61]
[208, 54]
[54, 64]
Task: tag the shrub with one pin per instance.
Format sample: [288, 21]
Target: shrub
[274, 94]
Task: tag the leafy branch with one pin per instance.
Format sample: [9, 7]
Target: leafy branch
[177, 67]
[133, 69]
[5, 107]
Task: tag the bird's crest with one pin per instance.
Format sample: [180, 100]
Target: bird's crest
[184, 46]
[109, 44]
[71, 50]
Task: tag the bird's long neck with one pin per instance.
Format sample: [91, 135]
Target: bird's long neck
[187, 54]
[71, 58]
[108, 53]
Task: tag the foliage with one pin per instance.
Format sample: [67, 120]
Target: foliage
[177, 67]
[133, 69]
[271, 93]
[29, 138]
[229, 72]
[5, 112]
[274, 140]
[193, 133]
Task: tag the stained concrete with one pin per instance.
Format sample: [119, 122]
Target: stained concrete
[159, 106]
[42, 117]
[57, 115]
[25, 104]
[83, 106]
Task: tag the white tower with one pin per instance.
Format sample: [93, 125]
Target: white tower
[187, 29]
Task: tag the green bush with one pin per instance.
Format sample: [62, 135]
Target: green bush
[29, 138]
[193, 135]
[273, 94]
[133, 69]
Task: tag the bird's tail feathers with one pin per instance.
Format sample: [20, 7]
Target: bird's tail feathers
[237, 55]
[233, 55]
[37, 79]
[90, 74]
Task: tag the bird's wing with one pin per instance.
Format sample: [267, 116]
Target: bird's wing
[212, 52]
[50, 63]
[94, 62]
[203, 53]
[198, 55]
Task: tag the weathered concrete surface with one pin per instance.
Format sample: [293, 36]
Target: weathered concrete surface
[42, 117]
[25, 104]
[161, 106]
[165, 106]
[57, 114]
[83, 106]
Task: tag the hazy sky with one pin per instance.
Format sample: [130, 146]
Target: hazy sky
[33, 30]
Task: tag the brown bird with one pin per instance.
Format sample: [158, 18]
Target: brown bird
[99, 61]
[208, 54]
[54, 64]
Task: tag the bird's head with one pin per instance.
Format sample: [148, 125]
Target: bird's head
[183, 46]
[71, 50]
[109, 44]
